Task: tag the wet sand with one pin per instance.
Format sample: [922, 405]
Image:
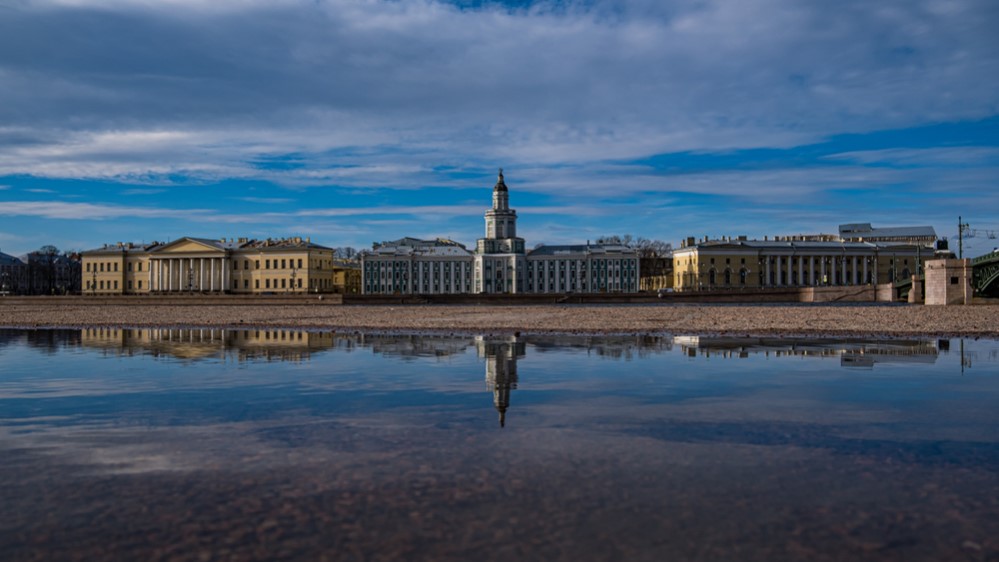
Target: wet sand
[888, 320]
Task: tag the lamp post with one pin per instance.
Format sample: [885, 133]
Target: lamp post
[294, 273]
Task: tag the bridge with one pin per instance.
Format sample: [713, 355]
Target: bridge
[984, 277]
[985, 274]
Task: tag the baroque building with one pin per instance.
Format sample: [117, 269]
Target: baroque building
[500, 263]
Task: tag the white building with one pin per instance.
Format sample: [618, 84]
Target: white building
[500, 264]
[413, 266]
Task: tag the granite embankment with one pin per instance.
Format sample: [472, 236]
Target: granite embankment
[890, 320]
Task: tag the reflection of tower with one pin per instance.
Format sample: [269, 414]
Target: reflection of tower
[501, 356]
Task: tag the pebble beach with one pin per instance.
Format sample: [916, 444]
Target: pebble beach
[885, 320]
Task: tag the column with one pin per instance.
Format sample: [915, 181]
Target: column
[201, 274]
[170, 275]
[854, 272]
[832, 270]
[801, 270]
[211, 275]
[865, 271]
[811, 271]
[766, 278]
[822, 267]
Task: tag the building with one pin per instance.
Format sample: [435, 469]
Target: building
[42, 272]
[864, 232]
[500, 263]
[200, 265]
[413, 266]
[346, 277]
[12, 271]
[798, 261]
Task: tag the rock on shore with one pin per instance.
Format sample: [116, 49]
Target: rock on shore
[725, 319]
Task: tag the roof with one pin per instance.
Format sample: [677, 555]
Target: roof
[552, 250]
[7, 259]
[789, 245]
[500, 184]
[867, 232]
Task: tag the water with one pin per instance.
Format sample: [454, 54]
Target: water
[276, 444]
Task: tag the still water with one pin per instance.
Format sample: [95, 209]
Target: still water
[275, 444]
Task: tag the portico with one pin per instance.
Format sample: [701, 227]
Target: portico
[190, 265]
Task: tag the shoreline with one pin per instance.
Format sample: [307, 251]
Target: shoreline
[743, 320]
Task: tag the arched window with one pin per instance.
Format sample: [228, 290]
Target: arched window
[743, 275]
[711, 277]
[728, 276]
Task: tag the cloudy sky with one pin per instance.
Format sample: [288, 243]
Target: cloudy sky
[353, 121]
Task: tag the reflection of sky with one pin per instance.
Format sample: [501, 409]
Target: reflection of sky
[559, 378]
[603, 436]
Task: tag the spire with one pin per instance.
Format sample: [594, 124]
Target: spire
[500, 184]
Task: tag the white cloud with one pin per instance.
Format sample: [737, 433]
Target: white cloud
[393, 88]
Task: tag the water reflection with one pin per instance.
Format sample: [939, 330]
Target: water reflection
[139, 444]
[851, 352]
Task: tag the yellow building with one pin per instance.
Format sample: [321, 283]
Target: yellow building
[199, 265]
[802, 261]
[346, 277]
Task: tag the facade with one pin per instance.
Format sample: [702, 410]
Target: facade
[589, 268]
[793, 262]
[199, 265]
[413, 266]
[500, 263]
[346, 277]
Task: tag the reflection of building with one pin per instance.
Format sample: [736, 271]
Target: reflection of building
[292, 265]
[501, 355]
[204, 343]
[501, 263]
[850, 352]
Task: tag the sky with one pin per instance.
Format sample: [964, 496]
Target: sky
[356, 121]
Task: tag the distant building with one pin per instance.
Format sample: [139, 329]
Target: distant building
[500, 263]
[244, 266]
[864, 232]
[12, 271]
[796, 261]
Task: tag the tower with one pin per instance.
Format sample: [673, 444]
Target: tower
[499, 256]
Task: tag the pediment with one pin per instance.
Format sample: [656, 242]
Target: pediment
[188, 246]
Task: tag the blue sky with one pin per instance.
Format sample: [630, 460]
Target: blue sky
[353, 121]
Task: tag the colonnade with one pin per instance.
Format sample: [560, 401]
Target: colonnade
[814, 270]
[189, 274]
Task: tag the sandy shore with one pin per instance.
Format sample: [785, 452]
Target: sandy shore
[683, 319]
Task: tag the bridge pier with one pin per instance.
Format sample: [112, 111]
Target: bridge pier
[948, 282]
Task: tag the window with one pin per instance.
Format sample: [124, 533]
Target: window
[246, 283]
[140, 285]
[299, 263]
[267, 264]
[283, 265]
[129, 285]
[129, 268]
[246, 264]
[256, 265]
[116, 269]
[953, 280]
[116, 284]
[102, 269]
[267, 283]
[139, 266]
[256, 283]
